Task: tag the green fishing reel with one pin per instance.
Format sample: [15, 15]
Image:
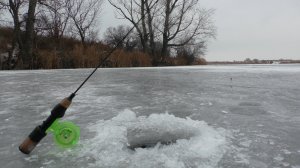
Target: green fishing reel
[65, 134]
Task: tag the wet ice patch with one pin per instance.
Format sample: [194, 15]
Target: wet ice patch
[194, 143]
[249, 104]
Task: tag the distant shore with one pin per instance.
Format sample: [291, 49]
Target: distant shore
[255, 61]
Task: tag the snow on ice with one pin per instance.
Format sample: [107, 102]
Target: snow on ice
[195, 144]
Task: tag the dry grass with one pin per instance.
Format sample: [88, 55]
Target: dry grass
[5, 38]
[70, 53]
[122, 58]
[48, 59]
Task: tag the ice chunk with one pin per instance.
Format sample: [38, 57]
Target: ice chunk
[156, 129]
[197, 144]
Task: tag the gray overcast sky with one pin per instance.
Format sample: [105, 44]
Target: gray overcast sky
[263, 29]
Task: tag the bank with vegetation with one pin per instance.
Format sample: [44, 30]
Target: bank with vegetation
[64, 34]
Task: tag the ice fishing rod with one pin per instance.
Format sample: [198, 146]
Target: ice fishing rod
[66, 134]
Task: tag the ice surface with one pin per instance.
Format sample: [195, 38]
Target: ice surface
[219, 116]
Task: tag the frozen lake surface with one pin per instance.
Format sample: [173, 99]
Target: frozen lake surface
[221, 116]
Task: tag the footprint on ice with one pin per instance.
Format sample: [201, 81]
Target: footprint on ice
[192, 143]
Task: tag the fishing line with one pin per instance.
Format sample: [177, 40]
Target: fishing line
[101, 63]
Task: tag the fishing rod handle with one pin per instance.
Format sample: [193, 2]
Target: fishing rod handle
[40, 131]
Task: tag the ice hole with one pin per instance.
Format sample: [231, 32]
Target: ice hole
[145, 134]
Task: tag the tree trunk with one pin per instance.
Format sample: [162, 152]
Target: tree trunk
[17, 42]
[164, 50]
[150, 29]
[27, 54]
[145, 34]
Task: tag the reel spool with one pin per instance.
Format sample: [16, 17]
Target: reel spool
[65, 134]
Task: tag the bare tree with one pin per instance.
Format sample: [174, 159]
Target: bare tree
[184, 24]
[25, 44]
[14, 7]
[191, 53]
[114, 35]
[27, 50]
[171, 23]
[151, 10]
[53, 17]
[84, 15]
[140, 13]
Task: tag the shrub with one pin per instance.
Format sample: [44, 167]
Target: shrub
[200, 61]
[47, 59]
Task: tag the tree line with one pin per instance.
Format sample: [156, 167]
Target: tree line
[166, 32]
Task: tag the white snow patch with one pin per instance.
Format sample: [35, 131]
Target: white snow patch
[137, 108]
[49, 162]
[241, 158]
[32, 158]
[271, 142]
[278, 158]
[225, 112]
[197, 144]
[287, 152]
[246, 143]
[285, 164]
